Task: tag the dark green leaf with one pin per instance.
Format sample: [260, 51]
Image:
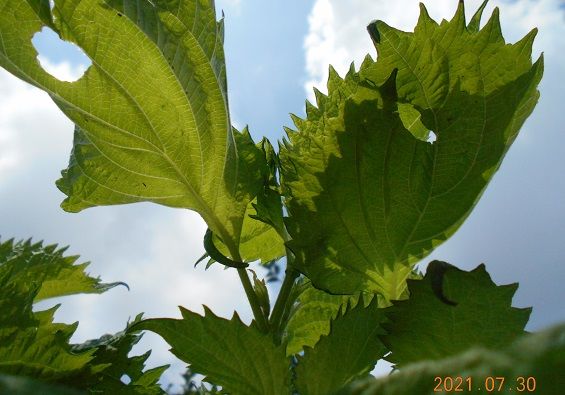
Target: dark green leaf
[112, 351]
[311, 316]
[349, 352]
[539, 358]
[32, 345]
[228, 353]
[14, 385]
[29, 265]
[478, 313]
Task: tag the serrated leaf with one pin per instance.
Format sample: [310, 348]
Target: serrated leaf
[113, 352]
[367, 199]
[228, 353]
[263, 230]
[259, 241]
[311, 317]
[539, 358]
[150, 126]
[31, 264]
[32, 345]
[311, 314]
[477, 313]
[269, 205]
[350, 351]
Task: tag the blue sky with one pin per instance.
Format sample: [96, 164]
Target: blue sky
[275, 51]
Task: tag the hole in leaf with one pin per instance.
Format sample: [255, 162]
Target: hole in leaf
[125, 379]
[63, 60]
[432, 137]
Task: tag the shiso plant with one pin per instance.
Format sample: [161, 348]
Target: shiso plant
[355, 196]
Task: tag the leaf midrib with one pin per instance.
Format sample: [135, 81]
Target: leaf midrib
[430, 192]
[208, 213]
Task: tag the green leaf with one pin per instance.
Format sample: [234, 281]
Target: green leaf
[263, 230]
[14, 385]
[112, 351]
[260, 288]
[477, 313]
[538, 357]
[412, 121]
[150, 126]
[269, 205]
[311, 317]
[349, 352]
[32, 345]
[228, 353]
[399, 197]
[31, 264]
[259, 241]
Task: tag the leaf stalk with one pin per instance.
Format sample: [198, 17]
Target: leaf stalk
[258, 313]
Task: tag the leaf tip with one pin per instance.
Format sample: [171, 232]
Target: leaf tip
[475, 22]
[373, 29]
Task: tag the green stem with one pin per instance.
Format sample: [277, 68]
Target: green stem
[282, 299]
[213, 252]
[253, 301]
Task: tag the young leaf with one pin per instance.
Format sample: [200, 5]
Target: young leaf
[260, 288]
[263, 231]
[399, 196]
[311, 317]
[228, 353]
[534, 363]
[150, 126]
[349, 352]
[450, 311]
[259, 241]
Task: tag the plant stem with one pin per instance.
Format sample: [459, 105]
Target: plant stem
[253, 301]
[258, 314]
[282, 300]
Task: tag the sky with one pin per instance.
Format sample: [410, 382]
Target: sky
[276, 51]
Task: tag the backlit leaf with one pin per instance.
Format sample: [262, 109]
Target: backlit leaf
[350, 351]
[368, 196]
[228, 353]
[152, 125]
[311, 317]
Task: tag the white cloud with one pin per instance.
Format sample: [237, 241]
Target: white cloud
[30, 126]
[63, 71]
[337, 30]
